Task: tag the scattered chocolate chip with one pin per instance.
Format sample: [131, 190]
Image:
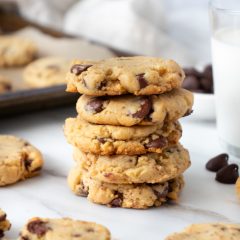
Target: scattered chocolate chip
[117, 202]
[188, 112]
[95, 105]
[77, 69]
[208, 73]
[206, 84]
[228, 174]
[145, 108]
[1, 233]
[142, 81]
[218, 162]
[3, 217]
[192, 72]
[38, 227]
[191, 82]
[157, 143]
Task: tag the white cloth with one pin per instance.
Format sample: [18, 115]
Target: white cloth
[173, 29]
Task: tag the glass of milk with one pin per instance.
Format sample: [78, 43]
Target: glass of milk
[225, 23]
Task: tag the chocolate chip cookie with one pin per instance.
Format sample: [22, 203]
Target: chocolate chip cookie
[238, 188]
[110, 140]
[16, 51]
[124, 169]
[4, 223]
[18, 160]
[5, 84]
[45, 72]
[116, 76]
[65, 228]
[129, 110]
[214, 231]
[137, 196]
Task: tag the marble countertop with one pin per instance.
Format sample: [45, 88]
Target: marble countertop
[202, 200]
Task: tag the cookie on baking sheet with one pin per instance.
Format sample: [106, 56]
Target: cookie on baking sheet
[110, 140]
[63, 229]
[137, 196]
[238, 188]
[129, 110]
[5, 85]
[4, 223]
[16, 51]
[124, 169]
[18, 160]
[45, 72]
[211, 231]
[115, 76]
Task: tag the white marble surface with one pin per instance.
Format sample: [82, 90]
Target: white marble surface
[202, 200]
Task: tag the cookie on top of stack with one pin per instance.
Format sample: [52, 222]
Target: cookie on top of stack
[126, 135]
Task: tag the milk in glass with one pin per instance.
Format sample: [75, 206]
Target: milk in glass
[226, 70]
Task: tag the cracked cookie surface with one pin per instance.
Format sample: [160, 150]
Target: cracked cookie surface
[46, 72]
[124, 169]
[110, 140]
[129, 110]
[63, 229]
[4, 223]
[139, 196]
[18, 160]
[16, 51]
[115, 76]
[214, 231]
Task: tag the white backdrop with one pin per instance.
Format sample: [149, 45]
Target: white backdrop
[169, 28]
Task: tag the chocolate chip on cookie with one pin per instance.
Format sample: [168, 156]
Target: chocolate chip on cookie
[77, 69]
[157, 143]
[142, 81]
[95, 105]
[145, 108]
[38, 227]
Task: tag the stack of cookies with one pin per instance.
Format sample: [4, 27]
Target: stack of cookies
[126, 135]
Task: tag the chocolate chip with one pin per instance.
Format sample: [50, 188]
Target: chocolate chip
[101, 140]
[117, 202]
[95, 105]
[3, 217]
[191, 83]
[163, 192]
[188, 112]
[76, 235]
[218, 162]
[102, 85]
[24, 237]
[1, 233]
[141, 80]
[192, 72]
[228, 174]
[38, 227]
[146, 106]
[206, 84]
[90, 230]
[77, 69]
[157, 143]
[208, 73]
[27, 163]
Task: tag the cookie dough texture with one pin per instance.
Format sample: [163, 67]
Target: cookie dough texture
[129, 110]
[65, 228]
[238, 188]
[124, 169]
[214, 231]
[115, 76]
[16, 51]
[45, 72]
[5, 84]
[4, 223]
[137, 196]
[18, 160]
[109, 140]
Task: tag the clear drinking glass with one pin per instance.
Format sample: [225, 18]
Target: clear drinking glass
[225, 23]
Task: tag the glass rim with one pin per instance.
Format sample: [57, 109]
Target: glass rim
[226, 10]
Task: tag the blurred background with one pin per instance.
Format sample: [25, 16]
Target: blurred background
[167, 28]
